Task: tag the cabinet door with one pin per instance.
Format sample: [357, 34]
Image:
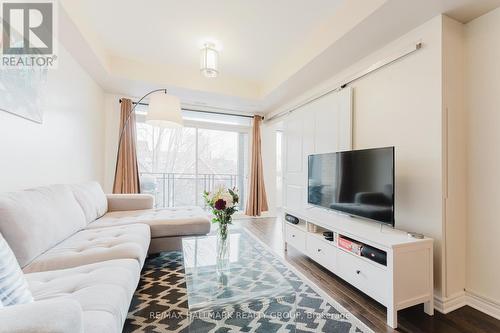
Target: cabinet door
[326, 135]
[294, 169]
[344, 119]
[333, 122]
[321, 126]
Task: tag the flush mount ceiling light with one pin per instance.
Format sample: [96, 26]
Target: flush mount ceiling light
[209, 60]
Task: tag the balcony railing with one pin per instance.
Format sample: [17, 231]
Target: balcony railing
[186, 189]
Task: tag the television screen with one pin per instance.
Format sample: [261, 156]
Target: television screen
[357, 182]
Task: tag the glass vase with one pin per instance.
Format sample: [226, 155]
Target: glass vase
[223, 247]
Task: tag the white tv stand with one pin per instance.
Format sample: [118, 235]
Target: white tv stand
[407, 279]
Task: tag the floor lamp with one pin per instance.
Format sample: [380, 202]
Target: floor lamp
[164, 110]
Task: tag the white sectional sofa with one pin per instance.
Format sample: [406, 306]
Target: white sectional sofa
[82, 252]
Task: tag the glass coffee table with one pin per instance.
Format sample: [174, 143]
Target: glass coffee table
[247, 292]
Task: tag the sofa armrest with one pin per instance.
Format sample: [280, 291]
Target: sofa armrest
[48, 316]
[120, 202]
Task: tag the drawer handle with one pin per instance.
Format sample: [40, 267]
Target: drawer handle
[358, 272]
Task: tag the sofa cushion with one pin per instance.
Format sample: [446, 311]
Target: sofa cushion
[91, 199]
[165, 222]
[33, 221]
[13, 287]
[95, 245]
[43, 317]
[121, 202]
[104, 291]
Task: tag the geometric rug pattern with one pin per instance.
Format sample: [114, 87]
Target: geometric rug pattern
[160, 305]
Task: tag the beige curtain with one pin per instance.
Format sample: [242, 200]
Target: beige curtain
[257, 199]
[127, 172]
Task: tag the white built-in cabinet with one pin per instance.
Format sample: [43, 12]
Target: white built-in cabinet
[322, 126]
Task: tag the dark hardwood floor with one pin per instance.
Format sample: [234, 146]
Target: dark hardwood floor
[464, 320]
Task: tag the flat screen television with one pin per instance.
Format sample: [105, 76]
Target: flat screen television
[357, 182]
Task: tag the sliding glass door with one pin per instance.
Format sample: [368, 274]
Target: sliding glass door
[178, 165]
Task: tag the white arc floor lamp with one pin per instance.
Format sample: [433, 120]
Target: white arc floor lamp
[163, 111]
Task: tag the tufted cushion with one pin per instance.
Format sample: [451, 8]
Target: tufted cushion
[13, 288]
[48, 316]
[166, 222]
[95, 245]
[104, 291]
[33, 221]
[91, 199]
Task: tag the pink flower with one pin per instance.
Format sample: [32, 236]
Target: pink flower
[220, 204]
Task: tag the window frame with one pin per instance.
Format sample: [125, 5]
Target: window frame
[240, 129]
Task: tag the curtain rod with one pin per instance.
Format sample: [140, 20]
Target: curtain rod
[202, 111]
[358, 76]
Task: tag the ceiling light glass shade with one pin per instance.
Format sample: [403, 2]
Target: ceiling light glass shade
[209, 60]
[164, 111]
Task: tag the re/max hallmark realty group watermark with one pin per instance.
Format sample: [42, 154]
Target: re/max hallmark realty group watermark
[29, 34]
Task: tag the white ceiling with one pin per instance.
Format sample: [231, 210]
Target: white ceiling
[253, 35]
[265, 44]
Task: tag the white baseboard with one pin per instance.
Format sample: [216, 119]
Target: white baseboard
[446, 305]
[483, 304]
[478, 302]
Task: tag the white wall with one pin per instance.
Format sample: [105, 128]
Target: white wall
[111, 133]
[67, 147]
[483, 108]
[401, 105]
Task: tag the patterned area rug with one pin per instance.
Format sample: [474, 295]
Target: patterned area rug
[160, 305]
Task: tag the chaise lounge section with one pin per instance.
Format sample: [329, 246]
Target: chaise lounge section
[82, 252]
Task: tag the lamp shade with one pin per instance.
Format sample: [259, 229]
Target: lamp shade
[164, 110]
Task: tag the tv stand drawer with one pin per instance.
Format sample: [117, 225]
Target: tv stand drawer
[321, 252]
[295, 237]
[365, 276]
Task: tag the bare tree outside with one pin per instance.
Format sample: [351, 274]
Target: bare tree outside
[178, 164]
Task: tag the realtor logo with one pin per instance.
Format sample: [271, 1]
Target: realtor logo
[28, 33]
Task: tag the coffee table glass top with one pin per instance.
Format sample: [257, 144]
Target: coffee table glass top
[248, 277]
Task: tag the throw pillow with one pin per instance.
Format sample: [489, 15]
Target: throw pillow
[13, 286]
